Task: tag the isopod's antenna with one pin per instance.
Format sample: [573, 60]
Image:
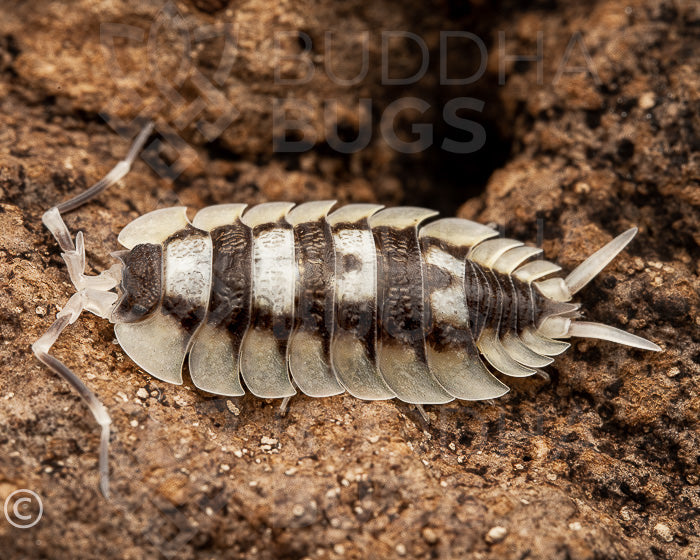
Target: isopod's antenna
[565, 325]
[93, 294]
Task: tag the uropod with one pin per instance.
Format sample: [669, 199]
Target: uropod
[278, 298]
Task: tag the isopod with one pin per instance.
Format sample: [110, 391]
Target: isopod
[362, 299]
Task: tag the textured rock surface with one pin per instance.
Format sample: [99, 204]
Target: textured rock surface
[603, 462]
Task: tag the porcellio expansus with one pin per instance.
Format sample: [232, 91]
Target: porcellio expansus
[361, 299]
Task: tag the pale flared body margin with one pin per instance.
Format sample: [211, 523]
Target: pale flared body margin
[362, 299]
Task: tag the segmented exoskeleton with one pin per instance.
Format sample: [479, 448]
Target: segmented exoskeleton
[361, 300]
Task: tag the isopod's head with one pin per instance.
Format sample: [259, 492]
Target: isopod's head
[141, 283]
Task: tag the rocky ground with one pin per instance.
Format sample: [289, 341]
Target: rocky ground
[601, 462]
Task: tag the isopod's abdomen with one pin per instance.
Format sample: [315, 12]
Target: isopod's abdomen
[281, 297]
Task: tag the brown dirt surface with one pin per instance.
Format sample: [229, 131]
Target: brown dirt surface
[602, 462]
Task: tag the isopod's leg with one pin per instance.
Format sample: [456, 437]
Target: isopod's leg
[41, 348]
[283, 406]
[423, 413]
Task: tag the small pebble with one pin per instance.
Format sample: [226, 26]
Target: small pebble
[673, 371]
[582, 188]
[664, 532]
[339, 549]
[142, 393]
[429, 535]
[575, 526]
[400, 550]
[496, 534]
[298, 510]
[233, 408]
[625, 514]
[647, 100]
